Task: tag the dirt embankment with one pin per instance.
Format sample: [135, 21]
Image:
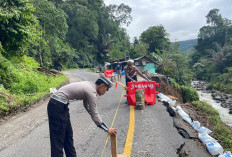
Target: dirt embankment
[166, 88]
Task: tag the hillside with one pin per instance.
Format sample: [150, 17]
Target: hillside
[186, 45]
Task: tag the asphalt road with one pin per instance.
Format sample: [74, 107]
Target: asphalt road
[27, 134]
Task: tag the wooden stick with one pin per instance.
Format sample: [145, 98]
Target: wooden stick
[113, 145]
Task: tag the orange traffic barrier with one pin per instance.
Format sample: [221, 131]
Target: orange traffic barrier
[149, 90]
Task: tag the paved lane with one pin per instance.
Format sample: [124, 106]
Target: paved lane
[154, 134]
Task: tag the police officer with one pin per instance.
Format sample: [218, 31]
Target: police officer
[61, 134]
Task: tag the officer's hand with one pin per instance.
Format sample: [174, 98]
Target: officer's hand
[134, 81]
[112, 131]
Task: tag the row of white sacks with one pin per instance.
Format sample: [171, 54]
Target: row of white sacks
[203, 133]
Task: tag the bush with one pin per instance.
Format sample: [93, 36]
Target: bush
[222, 82]
[22, 84]
[7, 73]
[189, 94]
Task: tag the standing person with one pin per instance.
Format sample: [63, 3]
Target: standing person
[61, 133]
[105, 66]
[119, 70]
[131, 72]
[100, 68]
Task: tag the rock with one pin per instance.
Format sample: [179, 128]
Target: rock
[213, 95]
[224, 105]
[227, 96]
[230, 107]
[218, 97]
[229, 100]
[223, 98]
[213, 91]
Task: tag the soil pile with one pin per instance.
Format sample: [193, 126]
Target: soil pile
[167, 88]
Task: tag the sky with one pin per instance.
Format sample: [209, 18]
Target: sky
[182, 19]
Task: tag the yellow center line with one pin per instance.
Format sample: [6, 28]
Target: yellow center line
[130, 133]
[112, 123]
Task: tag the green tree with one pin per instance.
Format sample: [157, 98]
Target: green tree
[1, 49]
[57, 2]
[198, 69]
[52, 50]
[18, 26]
[120, 14]
[157, 39]
[174, 64]
[214, 18]
[139, 50]
[183, 74]
[83, 30]
[214, 45]
[94, 29]
[52, 20]
[120, 47]
[112, 38]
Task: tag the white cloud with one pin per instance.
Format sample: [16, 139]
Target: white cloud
[182, 19]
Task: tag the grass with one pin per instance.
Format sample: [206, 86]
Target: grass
[11, 102]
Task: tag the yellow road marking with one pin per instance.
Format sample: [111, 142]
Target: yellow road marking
[112, 123]
[130, 133]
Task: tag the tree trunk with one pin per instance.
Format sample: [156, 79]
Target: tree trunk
[40, 56]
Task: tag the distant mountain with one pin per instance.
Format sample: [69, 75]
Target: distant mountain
[186, 45]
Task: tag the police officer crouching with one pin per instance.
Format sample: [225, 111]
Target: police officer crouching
[61, 133]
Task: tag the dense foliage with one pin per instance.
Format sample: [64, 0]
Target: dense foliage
[212, 59]
[64, 33]
[18, 27]
[21, 83]
[95, 32]
[57, 34]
